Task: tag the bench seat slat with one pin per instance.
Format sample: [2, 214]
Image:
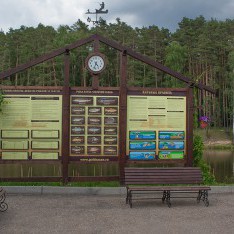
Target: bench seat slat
[169, 188]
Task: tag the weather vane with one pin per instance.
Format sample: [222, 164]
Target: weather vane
[97, 11]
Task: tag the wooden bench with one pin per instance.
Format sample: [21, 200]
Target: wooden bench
[170, 181]
[3, 205]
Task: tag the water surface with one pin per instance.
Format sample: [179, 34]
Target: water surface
[222, 164]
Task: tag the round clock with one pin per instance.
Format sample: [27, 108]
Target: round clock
[96, 63]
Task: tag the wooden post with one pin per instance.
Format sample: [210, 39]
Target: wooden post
[95, 82]
[189, 128]
[65, 117]
[122, 116]
[95, 77]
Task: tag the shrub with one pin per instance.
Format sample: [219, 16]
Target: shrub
[198, 161]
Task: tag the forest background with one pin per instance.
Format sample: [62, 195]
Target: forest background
[200, 49]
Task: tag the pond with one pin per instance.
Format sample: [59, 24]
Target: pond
[222, 164]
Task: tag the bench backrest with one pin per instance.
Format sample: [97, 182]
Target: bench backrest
[169, 175]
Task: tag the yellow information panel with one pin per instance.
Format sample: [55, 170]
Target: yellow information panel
[14, 144]
[45, 144]
[30, 124]
[44, 155]
[15, 134]
[12, 155]
[94, 125]
[45, 134]
[156, 127]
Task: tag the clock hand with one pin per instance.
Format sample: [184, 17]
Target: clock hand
[96, 64]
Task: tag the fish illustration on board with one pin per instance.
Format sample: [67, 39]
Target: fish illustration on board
[94, 140]
[78, 130]
[95, 110]
[94, 150]
[82, 100]
[94, 120]
[110, 140]
[77, 110]
[77, 140]
[111, 110]
[94, 130]
[110, 120]
[78, 120]
[107, 101]
[110, 131]
[110, 150]
[77, 149]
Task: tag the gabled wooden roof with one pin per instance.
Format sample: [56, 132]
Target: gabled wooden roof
[113, 44]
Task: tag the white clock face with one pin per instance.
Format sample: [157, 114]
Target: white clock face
[96, 63]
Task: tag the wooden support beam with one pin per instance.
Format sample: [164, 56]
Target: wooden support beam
[95, 82]
[65, 117]
[189, 126]
[122, 115]
[95, 77]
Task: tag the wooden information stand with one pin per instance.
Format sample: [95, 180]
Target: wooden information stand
[75, 126]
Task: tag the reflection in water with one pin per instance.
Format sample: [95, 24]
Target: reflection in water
[222, 164]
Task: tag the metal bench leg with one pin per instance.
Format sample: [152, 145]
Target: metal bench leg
[205, 198]
[164, 196]
[3, 205]
[127, 197]
[130, 199]
[168, 196]
[199, 196]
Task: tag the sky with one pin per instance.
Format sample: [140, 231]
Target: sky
[137, 13]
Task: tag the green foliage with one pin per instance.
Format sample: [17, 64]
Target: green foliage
[191, 50]
[198, 161]
[198, 148]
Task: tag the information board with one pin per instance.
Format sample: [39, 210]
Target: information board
[32, 124]
[94, 125]
[157, 124]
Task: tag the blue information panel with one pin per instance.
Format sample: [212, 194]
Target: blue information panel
[171, 155]
[142, 135]
[142, 155]
[142, 145]
[171, 145]
[173, 135]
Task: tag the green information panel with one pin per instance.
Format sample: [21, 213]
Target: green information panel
[44, 155]
[14, 155]
[14, 144]
[171, 155]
